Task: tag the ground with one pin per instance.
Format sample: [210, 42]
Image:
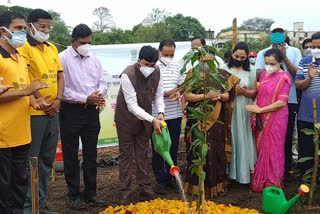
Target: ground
[108, 188]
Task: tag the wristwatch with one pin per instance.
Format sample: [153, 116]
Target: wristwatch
[60, 99]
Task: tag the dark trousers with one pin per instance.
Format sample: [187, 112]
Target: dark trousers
[133, 142]
[44, 132]
[160, 168]
[79, 120]
[288, 144]
[305, 146]
[13, 179]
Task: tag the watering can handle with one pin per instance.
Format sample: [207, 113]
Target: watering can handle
[275, 189]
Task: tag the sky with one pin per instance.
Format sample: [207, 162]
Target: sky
[212, 14]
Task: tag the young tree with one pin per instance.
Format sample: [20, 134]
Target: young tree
[105, 21]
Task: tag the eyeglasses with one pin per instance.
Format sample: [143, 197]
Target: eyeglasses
[235, 56]
[41, 26]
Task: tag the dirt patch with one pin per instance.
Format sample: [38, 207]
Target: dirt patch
[108, 188]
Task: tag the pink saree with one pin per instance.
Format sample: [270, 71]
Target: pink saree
[270, 141]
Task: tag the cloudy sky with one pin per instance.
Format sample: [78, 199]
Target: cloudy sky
[212, 14]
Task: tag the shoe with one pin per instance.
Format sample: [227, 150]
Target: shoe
[96, 202]
[45, 210]
[161, 189]
[147, 196]
[78, 204]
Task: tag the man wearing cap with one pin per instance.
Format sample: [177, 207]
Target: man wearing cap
[292, 57]
[252, 57]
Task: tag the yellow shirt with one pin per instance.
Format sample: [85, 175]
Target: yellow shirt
[44, 65]
[14, 115]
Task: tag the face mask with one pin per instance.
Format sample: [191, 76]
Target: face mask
[204, 66]
[271, 69]
[39, 36]
[307, 52]
[166, 60]
[18, 38]
[83, 50]
[252, 60]
[315, 53]
[277, 38]
[146, 71]
[237, 63]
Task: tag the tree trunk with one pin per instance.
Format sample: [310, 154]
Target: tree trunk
[203, 198]
[316, 156]
[34, 184]
[234, 33]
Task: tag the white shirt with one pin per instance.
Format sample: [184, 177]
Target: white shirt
[131, 98]
[172, 78]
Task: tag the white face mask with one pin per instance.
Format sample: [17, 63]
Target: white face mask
[18, 38]
[307, 52]
[271, 69]
[166, 60]
[83, 50]
[146, 71]
[39, 36]
[315, 53]
[252, 60]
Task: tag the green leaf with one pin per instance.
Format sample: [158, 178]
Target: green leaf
[204, 151]
[301, 160]
[308, 131]
[199, 134]
[306, 178]
[317, 126]
[194, 58]
[308, 171]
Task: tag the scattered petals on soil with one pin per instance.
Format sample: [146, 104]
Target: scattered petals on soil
[161, 206]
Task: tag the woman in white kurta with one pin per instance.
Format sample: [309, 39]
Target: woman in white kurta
[243, 145]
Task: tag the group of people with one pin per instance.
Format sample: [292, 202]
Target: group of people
[44, 93]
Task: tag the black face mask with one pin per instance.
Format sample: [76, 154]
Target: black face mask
[237, 63]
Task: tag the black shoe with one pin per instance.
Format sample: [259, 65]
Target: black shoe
[45, 210]
[96, 202]
[161, 189]
[78, 204]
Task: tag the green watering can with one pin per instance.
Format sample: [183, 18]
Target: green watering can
[162, 145]
[274, 201]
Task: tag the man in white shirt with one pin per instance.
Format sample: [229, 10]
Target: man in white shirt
[172, 79]
[141, 84]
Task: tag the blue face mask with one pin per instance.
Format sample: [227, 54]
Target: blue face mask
[18, 38]
[277, 38]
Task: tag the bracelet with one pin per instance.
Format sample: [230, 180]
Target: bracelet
[60, 99]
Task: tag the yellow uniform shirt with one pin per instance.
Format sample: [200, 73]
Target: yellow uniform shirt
[44, 65]
[14, 115]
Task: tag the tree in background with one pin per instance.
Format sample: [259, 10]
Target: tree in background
[60, 34]
[156, 16]
[257, 24]
[183, 28]
[105, 20]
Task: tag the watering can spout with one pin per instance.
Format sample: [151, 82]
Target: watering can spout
[162, 145]
[287, 207]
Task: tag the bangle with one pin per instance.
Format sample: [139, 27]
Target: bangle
[60, 99]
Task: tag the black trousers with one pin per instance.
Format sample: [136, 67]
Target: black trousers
[288, 144]
[79, 120]
[305, 146]
[13, 179]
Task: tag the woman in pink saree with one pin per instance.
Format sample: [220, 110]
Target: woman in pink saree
[271, 105]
